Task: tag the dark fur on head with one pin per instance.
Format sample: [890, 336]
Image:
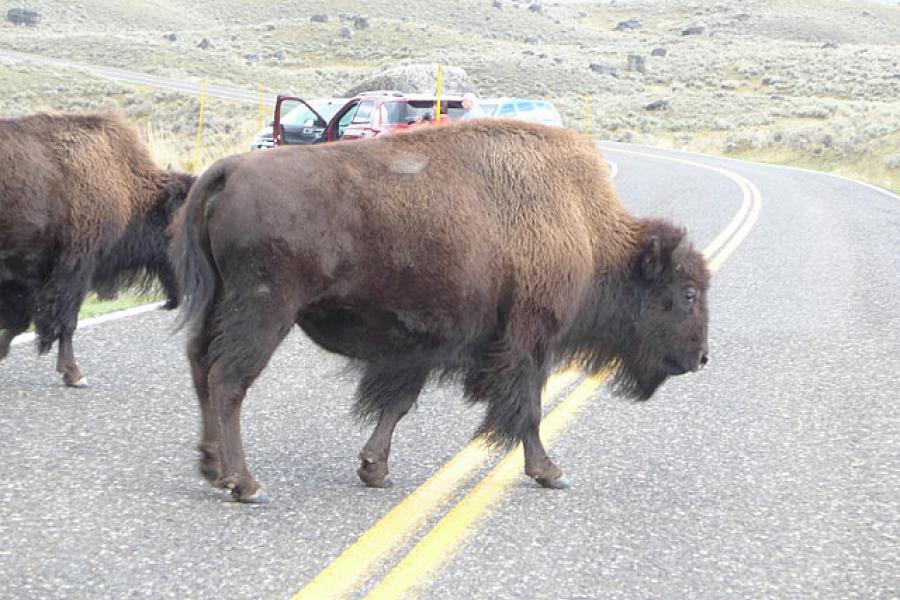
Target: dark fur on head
[639, 314]
[140, 260]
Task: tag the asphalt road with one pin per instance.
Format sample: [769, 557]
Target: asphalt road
[773, 473]
[144, 79]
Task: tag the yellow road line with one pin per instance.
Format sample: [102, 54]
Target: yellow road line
[740, 225]
[356, 564]
[441, 543]
[422, 563]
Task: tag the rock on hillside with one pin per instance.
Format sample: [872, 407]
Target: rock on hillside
[416, 79]
[23, 16]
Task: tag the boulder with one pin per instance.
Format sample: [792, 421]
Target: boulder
[604, 69]
[23, 16]
[628, 25]
[416, 78]
[637, 62]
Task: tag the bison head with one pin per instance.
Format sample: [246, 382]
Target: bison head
[667, 332]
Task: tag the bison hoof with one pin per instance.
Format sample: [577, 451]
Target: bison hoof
[561, 483]
[170, 304]
[374, 474]
[257, 497]
[380, 483]
[80, 382]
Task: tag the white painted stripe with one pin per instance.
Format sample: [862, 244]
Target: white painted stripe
[113, 316]
[613, 168]
[609, 145]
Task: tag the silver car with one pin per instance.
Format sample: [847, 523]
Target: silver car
[525, 109]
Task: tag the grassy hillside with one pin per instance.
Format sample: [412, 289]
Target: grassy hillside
[806, 82]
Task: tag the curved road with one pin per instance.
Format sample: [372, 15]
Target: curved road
[773, 473]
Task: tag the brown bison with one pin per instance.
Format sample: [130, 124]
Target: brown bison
[494, 251]
[82, 206]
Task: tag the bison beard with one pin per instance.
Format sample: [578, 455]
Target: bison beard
[506, 255]
[82, 206]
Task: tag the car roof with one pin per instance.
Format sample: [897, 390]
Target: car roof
[504, 99]
[397, 95]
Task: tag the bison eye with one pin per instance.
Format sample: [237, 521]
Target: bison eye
[690, 294]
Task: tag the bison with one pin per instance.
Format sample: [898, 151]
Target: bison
[82, 206]
[488, 251]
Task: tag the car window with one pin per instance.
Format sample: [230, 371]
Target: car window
[452, 108]
[507, 110]
[300, 117]
[348, 116]
[364, 112]
[327, 109]
[524, 106]
[344, 121]
[544, 112]
[394, 112]
[488, 108]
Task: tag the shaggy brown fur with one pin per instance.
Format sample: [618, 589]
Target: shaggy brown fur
[82, 206]
[492, 250]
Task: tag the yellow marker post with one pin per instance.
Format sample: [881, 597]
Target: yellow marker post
[200, 125]
[440, 81]
[587, 114]
[259, 117]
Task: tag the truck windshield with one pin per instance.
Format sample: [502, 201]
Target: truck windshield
[408, 111]
[302, 116]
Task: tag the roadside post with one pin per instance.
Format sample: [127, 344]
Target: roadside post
[587, 114]
[200, 126]
[259, 116]
[440, 78]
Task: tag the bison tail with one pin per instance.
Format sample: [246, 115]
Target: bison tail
[190, 249]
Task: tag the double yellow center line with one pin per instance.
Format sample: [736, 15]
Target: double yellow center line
[355, 566]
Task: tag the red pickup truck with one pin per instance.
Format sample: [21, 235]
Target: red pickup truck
[367, 115]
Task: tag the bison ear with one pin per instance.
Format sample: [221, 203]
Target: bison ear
[652, 262]
[176, 192]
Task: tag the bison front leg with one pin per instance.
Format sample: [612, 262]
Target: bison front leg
[170, 287]
[65, 359]
[512, 390]
[390, 394]
[537, 464]
[56, 318]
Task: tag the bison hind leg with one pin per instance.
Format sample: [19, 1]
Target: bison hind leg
[238, 338]
[388, 392]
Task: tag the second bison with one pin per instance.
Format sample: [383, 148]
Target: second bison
[82, 206]
[492, 250]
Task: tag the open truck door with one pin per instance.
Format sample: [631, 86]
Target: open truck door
[297, 122]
